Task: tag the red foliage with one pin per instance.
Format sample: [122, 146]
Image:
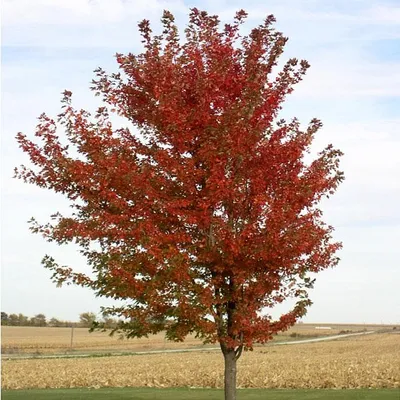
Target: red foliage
[204, 214]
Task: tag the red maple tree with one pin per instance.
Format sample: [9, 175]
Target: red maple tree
[205, 215]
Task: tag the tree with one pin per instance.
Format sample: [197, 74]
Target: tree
[4, 318]
[54, 322]
[205, 215]
[109, 323]
[22, 320]
[13, 320]
[87, 319]
[38, 320]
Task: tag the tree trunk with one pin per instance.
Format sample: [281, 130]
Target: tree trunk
[230, 374]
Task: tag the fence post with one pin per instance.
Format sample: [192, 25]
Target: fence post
[72, 336]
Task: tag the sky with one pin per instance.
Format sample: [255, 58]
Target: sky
[353, 86]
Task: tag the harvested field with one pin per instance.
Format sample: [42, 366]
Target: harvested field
[371, 361]
[46, 340]
[58, 340]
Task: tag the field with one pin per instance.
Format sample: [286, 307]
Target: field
[366, 361]
[31, 340]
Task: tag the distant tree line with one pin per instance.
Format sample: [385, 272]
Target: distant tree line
[86, 320]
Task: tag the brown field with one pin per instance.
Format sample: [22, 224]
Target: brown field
[28, 340]
[25, 340]
[370, 361]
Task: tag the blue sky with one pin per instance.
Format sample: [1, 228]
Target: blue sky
[353, 86]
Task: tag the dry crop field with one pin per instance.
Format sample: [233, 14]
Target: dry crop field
[17, 340]
[58, 340]
[370, 361]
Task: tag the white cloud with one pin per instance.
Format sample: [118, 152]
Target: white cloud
[79, 12]
[335, 77]
[369, 196]
[381, 14]
[79, 23]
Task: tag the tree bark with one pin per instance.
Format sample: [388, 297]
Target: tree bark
[230, 374]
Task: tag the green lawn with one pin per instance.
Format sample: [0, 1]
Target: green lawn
[199, 394]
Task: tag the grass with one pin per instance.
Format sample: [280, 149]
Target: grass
[200, 394]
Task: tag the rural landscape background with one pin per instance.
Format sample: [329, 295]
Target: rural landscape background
[45, 357]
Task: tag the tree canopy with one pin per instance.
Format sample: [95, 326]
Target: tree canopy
[204, 215]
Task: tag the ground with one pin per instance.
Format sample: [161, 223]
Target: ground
[364, 367]
[366, 361]
[17, 340]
